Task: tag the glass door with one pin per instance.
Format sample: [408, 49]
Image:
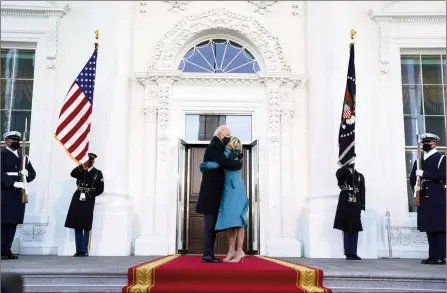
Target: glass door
[254, 215]
[181, 196]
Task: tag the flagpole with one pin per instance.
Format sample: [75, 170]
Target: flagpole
[353, 34]
[96, 38]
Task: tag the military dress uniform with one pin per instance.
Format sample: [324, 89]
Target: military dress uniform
[12, 208]
[431, 213]
[351, 203]
[80, 213]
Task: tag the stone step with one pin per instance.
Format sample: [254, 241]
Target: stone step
[110, 282]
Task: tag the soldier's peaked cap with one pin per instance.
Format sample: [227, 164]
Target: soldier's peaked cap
[92, 155]
[429, 137]
[12, 135]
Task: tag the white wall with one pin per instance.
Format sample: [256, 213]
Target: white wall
[314, 38]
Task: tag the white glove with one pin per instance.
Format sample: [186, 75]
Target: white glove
[419, 173]
[19, 185]
[417, 188]
[82, 197]
[24, 172]
[362, 212]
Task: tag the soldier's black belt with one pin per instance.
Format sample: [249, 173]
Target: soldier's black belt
[349, 188]
[84, 189]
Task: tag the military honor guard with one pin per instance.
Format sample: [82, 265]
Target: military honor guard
[350, 208]
[12, 205]
[80, 214]
[431, 210]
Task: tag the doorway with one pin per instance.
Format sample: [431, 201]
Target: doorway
[190, 224]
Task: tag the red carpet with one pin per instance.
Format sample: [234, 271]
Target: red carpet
[177, 273]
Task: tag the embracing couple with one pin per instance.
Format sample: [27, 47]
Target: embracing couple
[223, 200]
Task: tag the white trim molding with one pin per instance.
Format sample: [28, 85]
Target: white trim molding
[47, 10]
[220, 18]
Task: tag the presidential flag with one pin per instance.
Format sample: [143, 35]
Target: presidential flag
[346, 135]
[73, 127]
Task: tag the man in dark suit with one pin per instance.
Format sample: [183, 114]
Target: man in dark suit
[431, 210]
[12, 208]
[211, 188]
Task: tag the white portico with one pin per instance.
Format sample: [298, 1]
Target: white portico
[267, 96]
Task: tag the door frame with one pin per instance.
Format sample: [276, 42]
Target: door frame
[183, 191]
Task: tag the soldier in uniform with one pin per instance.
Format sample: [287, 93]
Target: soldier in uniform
[350, 208]
[12, 208]
[80, 214]
[432, 210]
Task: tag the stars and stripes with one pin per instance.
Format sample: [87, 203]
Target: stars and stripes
[73, 127]
[346, 136]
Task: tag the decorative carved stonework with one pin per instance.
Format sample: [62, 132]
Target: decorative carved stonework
[287, 115]
[295, 9]
[33, 232]
[274, 110]
[262, 6]
[221, 18]
[164, 95]
[403, 236]
[392, 13]
[177, 6]
[143, 7]
[51, 12]
[150, 114]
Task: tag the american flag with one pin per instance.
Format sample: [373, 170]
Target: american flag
[346, 135]
[73, 127]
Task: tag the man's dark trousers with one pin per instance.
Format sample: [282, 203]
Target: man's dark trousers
[209, 235]
[350, 241]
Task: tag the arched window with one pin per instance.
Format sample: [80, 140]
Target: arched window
[219, 56]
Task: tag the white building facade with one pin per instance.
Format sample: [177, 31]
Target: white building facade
[162, 78]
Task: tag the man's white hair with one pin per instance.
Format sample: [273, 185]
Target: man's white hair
[220, 129]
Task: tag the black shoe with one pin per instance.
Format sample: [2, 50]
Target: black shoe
[76, 254]
[211, 260]
[349, 257]
[429, 261]
[356, 257]
[11, 255]
[83, 254]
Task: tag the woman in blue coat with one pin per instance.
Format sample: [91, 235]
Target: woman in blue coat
[233, 211]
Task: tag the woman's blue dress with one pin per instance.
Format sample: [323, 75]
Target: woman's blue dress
[233, 211]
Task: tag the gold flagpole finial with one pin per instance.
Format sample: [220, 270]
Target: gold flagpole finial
[96, 38]
[353, 33]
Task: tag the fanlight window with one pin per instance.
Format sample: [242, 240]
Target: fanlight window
[219, 56]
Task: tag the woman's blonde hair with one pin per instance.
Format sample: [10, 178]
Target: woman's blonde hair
[235, 143]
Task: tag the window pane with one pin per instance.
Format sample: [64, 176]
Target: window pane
[436, 125]
[410, 157]
[444, 69]
[25, 64]
[410, 129]
[412, 99]
[431, 69]
[7, 62]
[411, 69]
[433, 100]
[219, 56]
[17, 94]
[202, 127]
[14, 120]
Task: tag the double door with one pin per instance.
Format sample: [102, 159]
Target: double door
[190, 225]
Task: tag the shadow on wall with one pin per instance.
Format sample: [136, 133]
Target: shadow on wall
[64, 236]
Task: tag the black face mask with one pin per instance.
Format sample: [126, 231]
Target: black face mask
[426, 147]
[226, 140]
[90, 163]
[15, 145]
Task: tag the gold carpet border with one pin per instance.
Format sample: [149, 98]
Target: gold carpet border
[144, 275]
[306, 279]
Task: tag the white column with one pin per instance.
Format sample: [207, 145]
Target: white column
[155, 240]
[147, 206]
[327, 47]
[111, 232]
